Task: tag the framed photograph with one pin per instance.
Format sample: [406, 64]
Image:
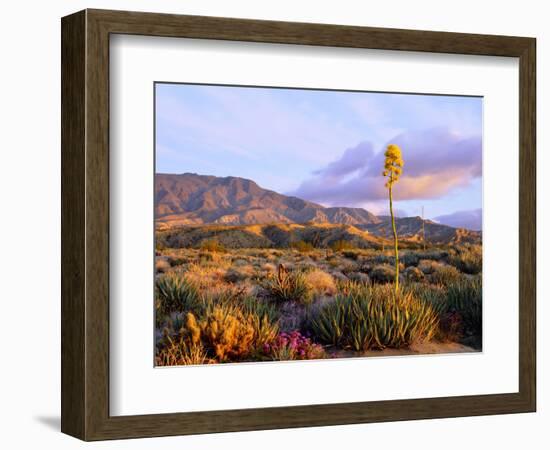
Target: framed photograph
[273, 225]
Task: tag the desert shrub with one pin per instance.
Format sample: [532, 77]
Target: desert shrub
[161, 264]
[302, 246]
[207, 257]
[435, 254]
[160, 242]
[382, 273]
[351, 254]
[375, 317]
[339, 276]
[467, 258]
[205, 276]
[347, 267]
[413, 274]
[288, 286]
[366, 266]
[291, 346]
[445, 275]
[427, 266]
[412, 258]
[341, 245]
[177, 352]
[269, 267]
[384, 259]
[257, 253]
[175, 293]
[409, 259]
[320, 282]
[240, 261]
[235, 275]
[212, 245]
[359, 277]
[178, 261]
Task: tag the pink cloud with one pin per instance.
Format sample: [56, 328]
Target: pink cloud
[436, 162]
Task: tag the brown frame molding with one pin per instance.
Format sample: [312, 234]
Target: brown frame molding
[85, 224]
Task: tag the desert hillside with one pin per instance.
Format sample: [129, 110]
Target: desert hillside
[191, 208]
[314, 235]
[199, 199]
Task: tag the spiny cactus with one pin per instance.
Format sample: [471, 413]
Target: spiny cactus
[226, 333]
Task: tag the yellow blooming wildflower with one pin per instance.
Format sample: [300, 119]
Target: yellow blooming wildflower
[393, 167]
[393, 164]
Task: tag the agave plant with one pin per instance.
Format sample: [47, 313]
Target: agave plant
[465, 298]
[288, 286]
[175, 294]
[393, 167]
[375, 317]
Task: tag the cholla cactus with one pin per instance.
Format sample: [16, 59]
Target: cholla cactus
[393, 167]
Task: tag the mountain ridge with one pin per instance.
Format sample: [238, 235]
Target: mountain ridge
[190, 200]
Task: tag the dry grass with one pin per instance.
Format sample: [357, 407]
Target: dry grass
[320, 282]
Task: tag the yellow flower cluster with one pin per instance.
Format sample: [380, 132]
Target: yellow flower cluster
[393, 164]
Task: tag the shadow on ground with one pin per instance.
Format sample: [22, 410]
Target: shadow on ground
[51, 422]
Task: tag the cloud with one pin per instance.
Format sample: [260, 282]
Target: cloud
[352, 160]
[437, 161]
[470, 219]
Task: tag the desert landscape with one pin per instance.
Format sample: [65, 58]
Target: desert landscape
[307, 224]
[248, 274]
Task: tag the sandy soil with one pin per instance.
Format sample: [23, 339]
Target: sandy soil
[425, 348]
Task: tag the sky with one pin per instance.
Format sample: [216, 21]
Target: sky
[327, 146]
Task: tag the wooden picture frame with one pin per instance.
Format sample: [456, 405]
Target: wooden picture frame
[85, 224]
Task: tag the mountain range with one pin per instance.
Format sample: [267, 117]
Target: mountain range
[191, 200]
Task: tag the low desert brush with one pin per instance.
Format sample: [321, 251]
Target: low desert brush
[162, 264]
[445, 275]
[467, 258]
[178, 352]
[212, 245]
[302, 246]
[382, 273]
[320, 282]
[341, 245]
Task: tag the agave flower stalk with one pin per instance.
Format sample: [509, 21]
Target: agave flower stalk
[393, 167]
